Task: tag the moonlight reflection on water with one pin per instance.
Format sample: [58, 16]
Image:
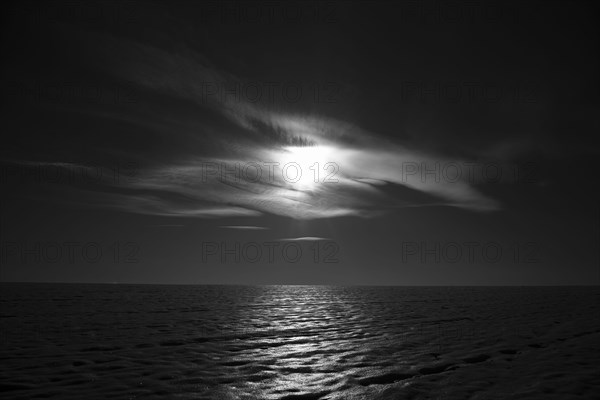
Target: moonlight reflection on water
[277, 342]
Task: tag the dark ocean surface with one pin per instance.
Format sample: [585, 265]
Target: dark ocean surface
[80, 341]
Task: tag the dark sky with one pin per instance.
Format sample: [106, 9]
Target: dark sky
[456, 143]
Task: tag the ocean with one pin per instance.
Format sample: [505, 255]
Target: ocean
[117, 341]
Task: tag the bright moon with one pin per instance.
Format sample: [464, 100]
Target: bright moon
[305, 167]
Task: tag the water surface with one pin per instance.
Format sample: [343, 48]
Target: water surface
[74, 341]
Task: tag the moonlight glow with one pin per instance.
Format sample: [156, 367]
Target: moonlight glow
[305, 168]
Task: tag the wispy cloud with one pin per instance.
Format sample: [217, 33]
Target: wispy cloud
[303, 239]
[244, 227]
[363, 163]
[167, 226]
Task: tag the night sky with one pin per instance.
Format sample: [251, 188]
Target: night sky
[375, 143]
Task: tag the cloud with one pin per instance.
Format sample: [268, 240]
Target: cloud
[303, 239]
[371, 181]
[242, 169]
[167, 226]
[244, 227]
[260, 182]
